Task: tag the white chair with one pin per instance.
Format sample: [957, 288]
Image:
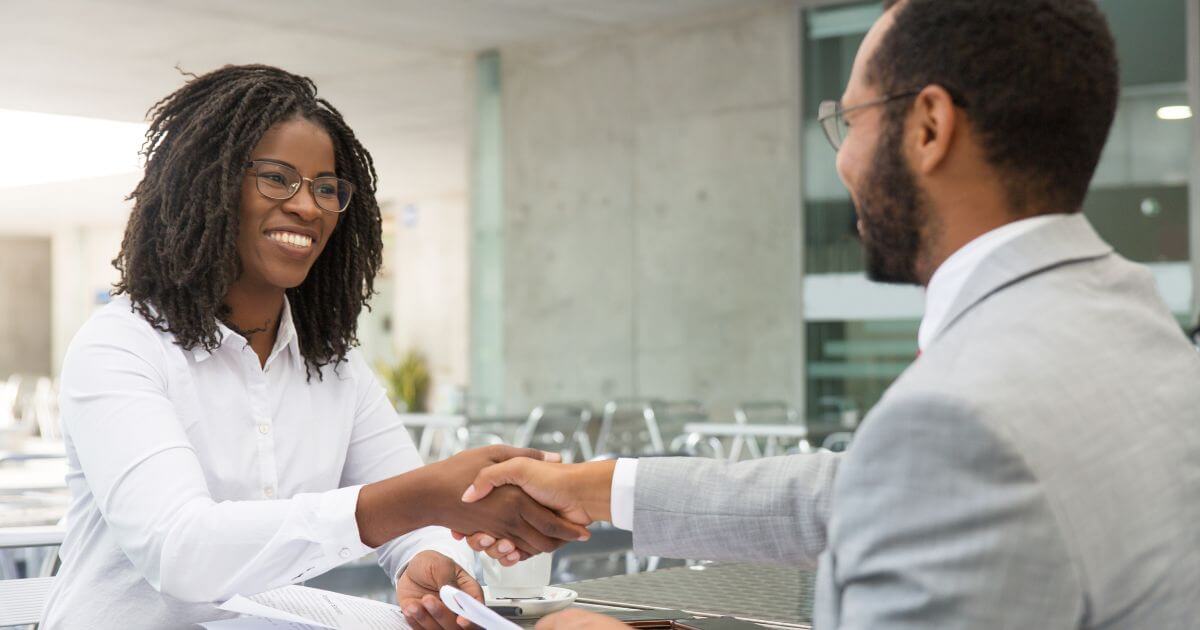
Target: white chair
[559, 428]
[22, 600]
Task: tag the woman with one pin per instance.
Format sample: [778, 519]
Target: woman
[223, 437]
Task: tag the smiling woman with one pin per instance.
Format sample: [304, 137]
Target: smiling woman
[185, 249]
[205, 460]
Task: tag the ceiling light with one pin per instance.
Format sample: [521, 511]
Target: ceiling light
[43, 148]
[1175, 112]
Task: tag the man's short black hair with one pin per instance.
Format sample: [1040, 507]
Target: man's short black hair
[1039, 80]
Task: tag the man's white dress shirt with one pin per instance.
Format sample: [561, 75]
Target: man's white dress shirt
[944, 286]
[197, 476]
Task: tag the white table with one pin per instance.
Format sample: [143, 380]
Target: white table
[748, 433]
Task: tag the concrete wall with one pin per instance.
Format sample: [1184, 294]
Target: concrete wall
[24, 305]
[652, 233]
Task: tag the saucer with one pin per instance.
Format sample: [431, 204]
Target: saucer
[553, 599]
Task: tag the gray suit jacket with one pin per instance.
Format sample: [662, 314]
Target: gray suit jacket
[1037, 467]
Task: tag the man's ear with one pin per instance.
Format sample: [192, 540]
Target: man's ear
[935, 122]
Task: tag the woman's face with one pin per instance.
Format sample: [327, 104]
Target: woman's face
[279, 240]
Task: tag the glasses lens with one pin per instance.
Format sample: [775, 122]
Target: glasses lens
[276, 180]
[831, 123]
[332, 194]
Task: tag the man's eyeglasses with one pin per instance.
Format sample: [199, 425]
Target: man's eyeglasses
[832, 116]
[278, 181]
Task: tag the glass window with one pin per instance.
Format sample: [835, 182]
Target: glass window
[860, 336]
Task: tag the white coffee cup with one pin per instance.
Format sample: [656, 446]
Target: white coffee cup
[525, 580]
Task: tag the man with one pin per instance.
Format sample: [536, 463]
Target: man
[1038, 466]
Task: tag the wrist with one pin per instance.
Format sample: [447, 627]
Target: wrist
[385, 508]
[594, 481]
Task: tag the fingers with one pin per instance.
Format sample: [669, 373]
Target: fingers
[505, 551]
[429, 613]
[481, 542]
[512, 471]
[554, 526]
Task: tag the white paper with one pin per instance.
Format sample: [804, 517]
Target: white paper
[296, 607]
[474, 610]
[255, 623]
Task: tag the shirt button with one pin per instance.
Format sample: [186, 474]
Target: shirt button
[345, 553]
[269, 492]
[264, 429]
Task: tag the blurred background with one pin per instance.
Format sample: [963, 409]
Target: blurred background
[612, 226]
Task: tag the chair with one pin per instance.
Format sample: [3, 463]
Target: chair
[672, 416]
[837, 442]
[628, 428]
[42, 409]
[765, 412]
[559, 427]
[22, 600]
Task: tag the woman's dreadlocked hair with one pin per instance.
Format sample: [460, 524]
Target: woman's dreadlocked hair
[179, 255]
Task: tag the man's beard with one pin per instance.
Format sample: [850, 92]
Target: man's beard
[893, 213]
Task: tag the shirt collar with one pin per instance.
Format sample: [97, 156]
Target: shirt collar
[286, 338]
[950, 278]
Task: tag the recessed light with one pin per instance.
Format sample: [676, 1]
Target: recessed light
[1175, 112]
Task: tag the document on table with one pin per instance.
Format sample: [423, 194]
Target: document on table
[303, 608]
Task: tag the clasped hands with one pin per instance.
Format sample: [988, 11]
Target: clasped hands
[512, 508]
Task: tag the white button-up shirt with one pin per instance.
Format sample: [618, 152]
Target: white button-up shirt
[195, 476]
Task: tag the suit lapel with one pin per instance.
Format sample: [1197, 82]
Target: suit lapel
[1051, 245]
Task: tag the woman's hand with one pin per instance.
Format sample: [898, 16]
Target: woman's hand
[417, 591]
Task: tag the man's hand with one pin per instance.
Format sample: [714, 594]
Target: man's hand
[431, 495]
[576, 619]
[580, 492]
[417, 591]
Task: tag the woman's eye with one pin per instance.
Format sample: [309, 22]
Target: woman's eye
[274, 178]
[328, 190]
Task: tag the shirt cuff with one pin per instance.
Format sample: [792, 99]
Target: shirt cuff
[624, 478]
[337, 526]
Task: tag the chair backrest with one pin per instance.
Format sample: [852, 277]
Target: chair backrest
[671, 416]
[22, 601]
[561, 427]
[628, 427]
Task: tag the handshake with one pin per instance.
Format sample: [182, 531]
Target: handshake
[511, 503]
[578, 493]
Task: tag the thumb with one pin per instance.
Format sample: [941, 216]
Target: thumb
[468, 585]
[513, 471]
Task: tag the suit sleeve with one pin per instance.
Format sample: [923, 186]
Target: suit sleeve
[767, 510]
[939, 523]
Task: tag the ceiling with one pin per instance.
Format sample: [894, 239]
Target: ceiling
[399, 70]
